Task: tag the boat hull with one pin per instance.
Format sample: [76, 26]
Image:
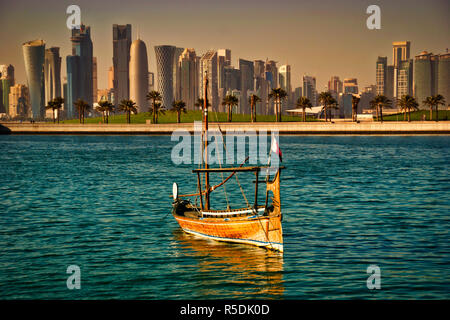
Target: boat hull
[262, 231]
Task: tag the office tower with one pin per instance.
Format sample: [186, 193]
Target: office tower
[34, 56]
[297, 94]
[272, 73]
[259, 68]
[389, 93]
[79, 70]
[381, 75]
[232, 79]
[139, 75]
[176, 74]
[121, 61]
[7, 72]
[189, 71]
[247, 82]
[226, 53]
[208, 63]
[164, 67]
[350, 85]
[19, 101]
[405, 78]
[309, 89]
[425, 76]
[335, 86]
[94, 79]
[444, 77]
[284, 79]
[401, 51]
[151, 81]
[52, 75]
[111, 78]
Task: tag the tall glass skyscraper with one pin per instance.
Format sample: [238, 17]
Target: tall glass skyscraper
[164, 66]
[139, 74]
[247, 82]
[208, 63]
[425, 76]
[121, 59]
[52, 74]
[444, 76]
[34, 56]
[79, 69]
[189, 71]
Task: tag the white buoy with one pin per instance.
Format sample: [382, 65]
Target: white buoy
[175, 191]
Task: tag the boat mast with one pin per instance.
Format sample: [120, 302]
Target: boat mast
[205, 135]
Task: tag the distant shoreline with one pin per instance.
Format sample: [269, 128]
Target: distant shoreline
[284, 128]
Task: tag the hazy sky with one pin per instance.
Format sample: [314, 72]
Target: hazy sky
[319, 38]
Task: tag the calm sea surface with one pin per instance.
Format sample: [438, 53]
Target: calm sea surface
[103, 203]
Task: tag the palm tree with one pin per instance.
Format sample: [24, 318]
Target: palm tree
[328, 102]
[156, 109]
[230, 101]
[57, 104]
[303, 102]
[50, 105]
[82, 107]
[128, 106]
[378, 103]
[438, 100]
[155, 97]
[406, 104]
[105, 107]
[178, 107]
[355, 102]
[429, 102]
[278, 95]
[253, 100]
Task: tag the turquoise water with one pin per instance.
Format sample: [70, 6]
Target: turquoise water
[101, 202]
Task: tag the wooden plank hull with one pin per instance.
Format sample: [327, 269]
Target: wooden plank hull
[263, 231]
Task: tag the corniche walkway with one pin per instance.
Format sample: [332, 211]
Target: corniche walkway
[296, 128]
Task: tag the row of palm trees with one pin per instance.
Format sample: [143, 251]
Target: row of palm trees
[406, 103]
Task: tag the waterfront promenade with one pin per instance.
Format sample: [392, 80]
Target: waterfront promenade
[309, 128]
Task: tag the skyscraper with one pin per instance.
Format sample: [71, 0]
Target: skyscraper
[381, 75]
[176, 74]
[34, 56]
[401, 50]
[425, 76]
[284, 79]
[405, 78]
[121, 61]
[444, 76]
[139, 74]
[52, 74]
[309, 89]
[272, 73]
[208, 63]
[94, 79]
[164, 66]
[18, 101]
[247, 82]
[350, 86]
[6, 81]
[79, 69]
[189, 71]
[335, 86]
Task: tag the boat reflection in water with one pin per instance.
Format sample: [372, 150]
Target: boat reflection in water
[232, 271]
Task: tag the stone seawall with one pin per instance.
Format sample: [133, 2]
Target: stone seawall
[312, 128]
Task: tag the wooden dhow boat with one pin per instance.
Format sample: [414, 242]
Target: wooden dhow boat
[259, 225]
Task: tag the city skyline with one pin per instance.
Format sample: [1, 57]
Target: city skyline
[308, 55]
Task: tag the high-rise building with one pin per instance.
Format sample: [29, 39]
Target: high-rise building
[425, 76]
[164, 65]
[444, 76]
[309, 89]
[94, 79]
[381, 75]
[405, 78]
[151, 81]
[111, 78]
[139, 74]
[401, 50]
[19, 101]
[176, 74]
[335, 86]
[34, 56]
[208, 63]
[189, 72]
[350, 85]
[272, 73]
[247, 82]
[7, 72]
[284, 79]
[79, 70]
[226, 53]
[52, 75]
[6, 81]
[121, 61]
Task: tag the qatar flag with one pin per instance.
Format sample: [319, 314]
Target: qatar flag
[276, 148]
